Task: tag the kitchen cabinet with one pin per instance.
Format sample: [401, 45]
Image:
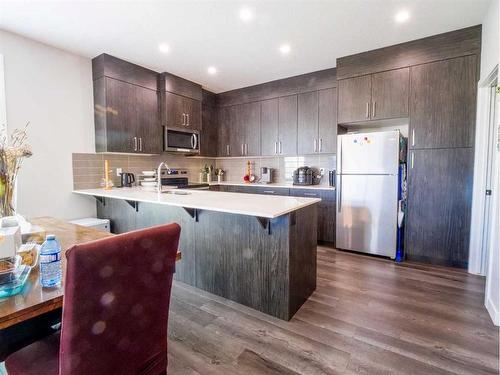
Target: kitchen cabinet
[126, 117]
[317, 122]
[390, 94]
[208, 141]
[269, 127]
[326, 211]
[244, 130]
[223, 148]
[181, 112]
[287, 125]
[307, 127]
[439, 206]
[354, 99]
[327, 121]
[375, 96]
[443, 103]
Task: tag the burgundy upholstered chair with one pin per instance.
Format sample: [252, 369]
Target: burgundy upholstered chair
[115, 309]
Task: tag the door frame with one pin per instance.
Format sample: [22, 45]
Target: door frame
[484, 140]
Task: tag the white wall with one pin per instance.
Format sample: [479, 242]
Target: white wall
[52, 89]
[489, 39]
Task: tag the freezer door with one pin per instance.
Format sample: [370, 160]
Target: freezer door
[368, 153]
[367, 213]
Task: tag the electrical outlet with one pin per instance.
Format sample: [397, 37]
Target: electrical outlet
[118, 171]
[322, 171]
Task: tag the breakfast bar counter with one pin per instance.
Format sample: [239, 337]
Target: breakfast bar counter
[257, 250]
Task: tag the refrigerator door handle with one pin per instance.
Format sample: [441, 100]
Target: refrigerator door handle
[339, 194]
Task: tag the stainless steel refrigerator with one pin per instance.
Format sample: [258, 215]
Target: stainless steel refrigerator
[367, 192]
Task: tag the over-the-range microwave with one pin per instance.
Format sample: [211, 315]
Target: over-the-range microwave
[183, 141]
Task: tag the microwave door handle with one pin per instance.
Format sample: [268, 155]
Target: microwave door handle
[192, 141]
[196, 141]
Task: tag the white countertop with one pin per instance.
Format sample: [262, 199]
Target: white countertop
[287, 185]
[268, 206]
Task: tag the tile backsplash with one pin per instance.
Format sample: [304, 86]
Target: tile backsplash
[88, 169]
[283, 166]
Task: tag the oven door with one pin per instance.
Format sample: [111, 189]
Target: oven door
[179, 141]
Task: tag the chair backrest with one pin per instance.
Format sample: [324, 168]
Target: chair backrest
[116, 302]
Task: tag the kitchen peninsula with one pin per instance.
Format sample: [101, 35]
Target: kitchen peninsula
[257, 250]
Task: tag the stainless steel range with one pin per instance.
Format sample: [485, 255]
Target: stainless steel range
[178, 177]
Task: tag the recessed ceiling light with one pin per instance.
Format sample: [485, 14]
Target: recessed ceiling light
[164, 48]
[285, 49]
[212, 70]
[246, 14]
[402, 16]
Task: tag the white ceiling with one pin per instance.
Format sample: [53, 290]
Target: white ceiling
[210, 33]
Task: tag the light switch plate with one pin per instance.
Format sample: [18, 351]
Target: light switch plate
[322, 171]
[118, 171]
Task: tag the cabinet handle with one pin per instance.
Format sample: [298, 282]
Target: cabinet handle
[187, 116]
[367, 109]
[412, 160]
[315, 146]
[280, 148]
[269, 191]
[183, 119]
[246, 148]
[374, 106]
[413, 137]
[275, 148]
[320, 144]
[242, 149]
[311, 194]
[227, 150]
[135, 143]
[140, 144]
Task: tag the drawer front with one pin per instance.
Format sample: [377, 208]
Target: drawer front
[326, 195]
[272, 190]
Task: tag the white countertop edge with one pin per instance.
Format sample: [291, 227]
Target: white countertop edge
[109, 194]
[273, 184]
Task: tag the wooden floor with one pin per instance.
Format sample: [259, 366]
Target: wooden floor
[367, 316]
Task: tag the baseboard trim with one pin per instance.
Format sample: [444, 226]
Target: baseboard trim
[493, 311]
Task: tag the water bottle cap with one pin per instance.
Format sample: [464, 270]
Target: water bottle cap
[50, 237]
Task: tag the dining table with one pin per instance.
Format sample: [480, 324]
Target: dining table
[34, 300]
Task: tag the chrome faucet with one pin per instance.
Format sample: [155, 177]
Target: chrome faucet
[158, 175]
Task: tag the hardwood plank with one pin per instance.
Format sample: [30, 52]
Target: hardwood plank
[368, 315]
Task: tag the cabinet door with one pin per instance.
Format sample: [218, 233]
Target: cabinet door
[175, 115]
[121, 116]
[223, 132]
[208, 142]
[354, 99]
[287, 125]
[390, 92]
[307, 123]
[192, 109]
[251, 128]
[148, 129]
[236, 130]
[443, 104]
[327, 119]
[439, 206]
[269, 127]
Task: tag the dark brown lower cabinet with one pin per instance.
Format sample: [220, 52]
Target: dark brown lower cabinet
[439, 206]
[326, 208]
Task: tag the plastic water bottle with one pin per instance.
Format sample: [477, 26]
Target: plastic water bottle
[50, 262]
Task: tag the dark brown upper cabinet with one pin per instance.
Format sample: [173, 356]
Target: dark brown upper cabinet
[223, 146]
[243, 125]
[125, 107]
[354, 99]
[180, 102]
[269, 127]
[327, 119]
[443, 103]
[181, 112]
[317, 122]
[376, 96]
[208, 142]
[287, 125]
[307, 128]
[390, 94]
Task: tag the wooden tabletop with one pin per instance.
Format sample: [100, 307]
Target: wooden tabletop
[35, 300]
